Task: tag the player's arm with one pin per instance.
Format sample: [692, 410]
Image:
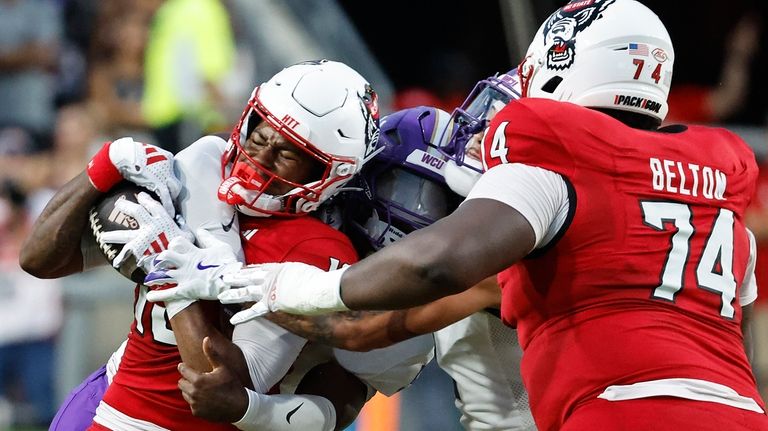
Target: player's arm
[219, 396]
[511, 209]
[53, 247]
[259, 353]
[482, 237]
[190, 326]
[367, 330]
[217, 384]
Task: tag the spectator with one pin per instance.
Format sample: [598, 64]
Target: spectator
[30, 33]
[30, 317]
[190, 49]
[116, 79]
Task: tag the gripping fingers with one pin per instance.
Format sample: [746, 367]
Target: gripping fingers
[165, 204]
[170, 294]
[121, 257]
[159, 277]
[138, 212]
[118, 236]
[247, 276]
[169, 259]
[257, 310]
[243, 294]
[155, 208]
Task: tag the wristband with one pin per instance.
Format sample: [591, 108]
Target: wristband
[102, 172]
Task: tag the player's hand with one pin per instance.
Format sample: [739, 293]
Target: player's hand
[156, 229]
[146, 165]
[196, 272]
[292, 287]
[216, 395]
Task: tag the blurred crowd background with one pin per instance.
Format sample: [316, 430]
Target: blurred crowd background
[75, 73]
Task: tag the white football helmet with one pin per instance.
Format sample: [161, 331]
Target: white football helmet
[325, 108]
[613, 54]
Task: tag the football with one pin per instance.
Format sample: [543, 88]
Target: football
[104, 217]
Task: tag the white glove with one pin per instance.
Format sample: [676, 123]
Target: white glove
[143, 164]
[148, 166]
[156, 229]
[292, 287]
[195, 271]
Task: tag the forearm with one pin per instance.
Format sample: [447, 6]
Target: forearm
[359, 331]
[190, 327]
[405, 274]
[362, 331]
[446, 311]
[269, 351]
[53, 247]
[445, 258]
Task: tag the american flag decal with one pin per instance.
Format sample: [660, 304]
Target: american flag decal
[638, 49]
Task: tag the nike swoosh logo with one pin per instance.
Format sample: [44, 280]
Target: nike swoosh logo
[290, 413]
[202, 267]
[228, 226]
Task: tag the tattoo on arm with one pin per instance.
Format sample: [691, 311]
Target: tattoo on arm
[331, 329]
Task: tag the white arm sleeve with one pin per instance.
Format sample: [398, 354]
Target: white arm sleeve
[392, 368]
[269, 351]
[199, 168]
[540, 195]
[749, 285]
[287, 413]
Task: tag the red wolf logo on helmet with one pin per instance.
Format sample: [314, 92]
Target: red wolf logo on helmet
[561, 29]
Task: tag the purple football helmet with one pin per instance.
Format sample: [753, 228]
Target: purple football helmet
[461, 141]
[403, 186]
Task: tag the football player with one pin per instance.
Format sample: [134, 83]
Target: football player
[623, 257]
[403, 189]
[407, 181]
[303, 135]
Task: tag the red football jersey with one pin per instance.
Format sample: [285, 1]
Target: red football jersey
[145, 386]
[644, 279]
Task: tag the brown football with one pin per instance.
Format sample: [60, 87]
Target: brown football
[104, 217]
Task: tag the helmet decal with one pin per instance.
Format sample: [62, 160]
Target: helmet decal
[370, 108]
[323, 108]
[590, 51]
[561, 28]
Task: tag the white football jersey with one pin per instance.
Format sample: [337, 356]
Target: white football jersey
[199, 168]
[392, 368]
[482, 356]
